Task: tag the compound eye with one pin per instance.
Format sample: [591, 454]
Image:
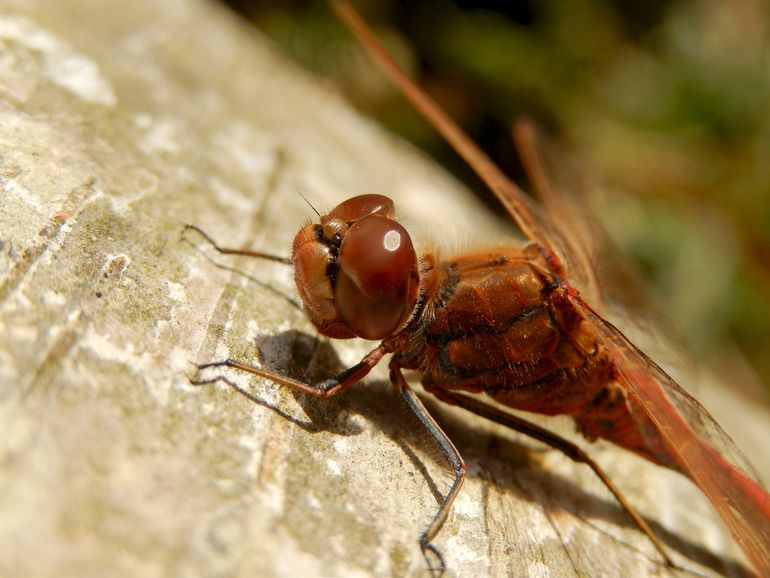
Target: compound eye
[377, 281]
[362, 206]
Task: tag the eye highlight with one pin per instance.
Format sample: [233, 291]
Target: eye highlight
[392, 241]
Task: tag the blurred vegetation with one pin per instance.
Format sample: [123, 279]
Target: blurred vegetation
[667, 102]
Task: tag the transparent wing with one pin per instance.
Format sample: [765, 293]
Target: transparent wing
[605, 278]
[695, 441]
[692, 439]
[596, 266]
[575, 237]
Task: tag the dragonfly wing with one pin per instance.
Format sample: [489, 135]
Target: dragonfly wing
[596, 266]
[575, 237]
[693, 440]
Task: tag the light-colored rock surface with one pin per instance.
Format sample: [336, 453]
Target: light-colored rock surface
[120, 122]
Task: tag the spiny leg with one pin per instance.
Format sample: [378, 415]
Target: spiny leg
[450, 453]
[322, 389]
[568, 448]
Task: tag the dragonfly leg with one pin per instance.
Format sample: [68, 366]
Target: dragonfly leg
[322, 389]
[450, 453]
[568, 448]
[243, 252]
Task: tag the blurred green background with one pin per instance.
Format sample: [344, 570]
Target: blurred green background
[668, 103]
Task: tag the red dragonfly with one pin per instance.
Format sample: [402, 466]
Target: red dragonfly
[508, 324]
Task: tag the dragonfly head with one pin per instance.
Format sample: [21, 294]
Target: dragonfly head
[356, 271]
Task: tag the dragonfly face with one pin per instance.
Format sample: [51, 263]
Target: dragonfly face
[356, 271]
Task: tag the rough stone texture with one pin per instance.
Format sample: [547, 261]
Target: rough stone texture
[120, 122]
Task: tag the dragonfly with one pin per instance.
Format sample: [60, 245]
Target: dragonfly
[506, 327]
